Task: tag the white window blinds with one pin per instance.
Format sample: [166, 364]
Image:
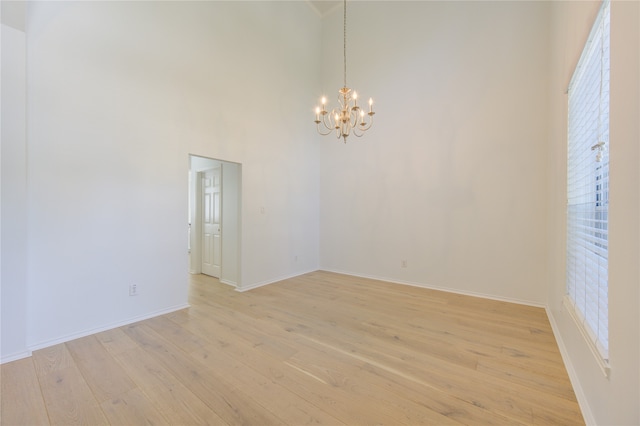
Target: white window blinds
[588, 187]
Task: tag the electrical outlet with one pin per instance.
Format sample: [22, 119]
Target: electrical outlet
[133, 289]
[403, 263]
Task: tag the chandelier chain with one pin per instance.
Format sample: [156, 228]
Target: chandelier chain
[345, 43]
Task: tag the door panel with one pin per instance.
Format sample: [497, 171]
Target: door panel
[211, 222]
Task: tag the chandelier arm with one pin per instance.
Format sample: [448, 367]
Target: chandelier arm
[320, 131]
[329, 119]
[362, 126]
[367, 126]
[325, 124]
[353, 117]
[359, 131]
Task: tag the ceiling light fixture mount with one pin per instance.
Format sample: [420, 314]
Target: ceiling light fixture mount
[348, 117]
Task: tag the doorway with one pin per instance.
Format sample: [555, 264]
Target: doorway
[214, 218]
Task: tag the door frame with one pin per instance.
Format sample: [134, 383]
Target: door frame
[230, 268]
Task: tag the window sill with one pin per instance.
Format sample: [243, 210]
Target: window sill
[602, 362]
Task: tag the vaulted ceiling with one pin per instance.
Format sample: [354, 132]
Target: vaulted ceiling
[323, 7]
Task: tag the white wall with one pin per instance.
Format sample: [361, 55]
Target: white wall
[451, 178]
[119, 94]
[13, 319]
[613, 400]
[231, 211]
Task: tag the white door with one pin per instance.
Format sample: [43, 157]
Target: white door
[211, 238]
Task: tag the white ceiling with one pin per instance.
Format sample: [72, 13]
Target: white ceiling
[13, 14]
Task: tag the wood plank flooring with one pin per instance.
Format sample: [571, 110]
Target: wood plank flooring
[321, 348]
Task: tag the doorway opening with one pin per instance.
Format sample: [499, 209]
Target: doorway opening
[214, 218]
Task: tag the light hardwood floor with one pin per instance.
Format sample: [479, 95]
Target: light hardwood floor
[321, 348]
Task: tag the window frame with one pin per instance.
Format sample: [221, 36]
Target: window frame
[588, 191]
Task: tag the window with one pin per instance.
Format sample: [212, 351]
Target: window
[588, 189]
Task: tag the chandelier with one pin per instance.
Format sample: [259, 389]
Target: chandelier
[348, 117]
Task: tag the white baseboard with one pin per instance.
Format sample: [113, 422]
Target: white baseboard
[445, 289]
[15, 357]
[275, 280]
[73, 336]
[589, 419]
[227, 282]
